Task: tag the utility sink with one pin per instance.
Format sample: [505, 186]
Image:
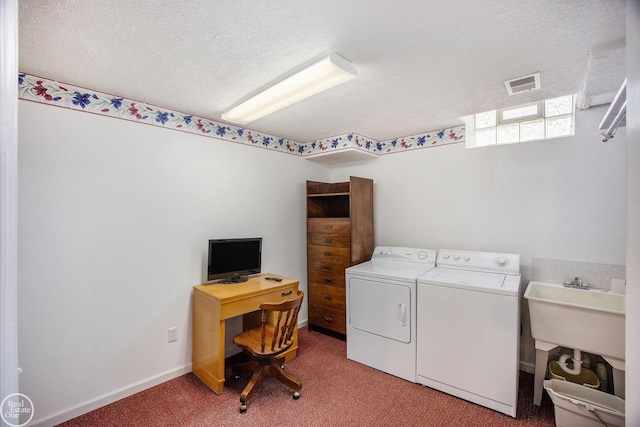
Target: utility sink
[587, 320]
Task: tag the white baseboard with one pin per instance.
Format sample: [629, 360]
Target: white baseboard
[93, 404]
[527, 367]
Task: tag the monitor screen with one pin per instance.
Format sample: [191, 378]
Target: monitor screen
[232, 260]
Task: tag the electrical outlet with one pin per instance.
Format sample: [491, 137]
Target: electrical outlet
[173, 334]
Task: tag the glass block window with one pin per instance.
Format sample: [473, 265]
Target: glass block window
[486, 136]
[548, 119]
[486, 119]
[559, 126]
[532, 131]
[558, 106]
[529, 111]
[509, 134]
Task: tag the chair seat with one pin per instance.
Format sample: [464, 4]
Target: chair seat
[250, 341]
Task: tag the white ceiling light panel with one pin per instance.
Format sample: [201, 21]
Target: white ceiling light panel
[319, 76]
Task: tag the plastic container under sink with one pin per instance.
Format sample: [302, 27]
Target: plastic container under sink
[586, 377]
[579, 406]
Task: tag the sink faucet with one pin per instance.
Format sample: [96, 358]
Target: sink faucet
[576, 284]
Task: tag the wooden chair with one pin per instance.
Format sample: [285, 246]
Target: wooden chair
[266, 343]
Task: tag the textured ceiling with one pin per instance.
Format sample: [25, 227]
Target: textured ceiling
[421, 64]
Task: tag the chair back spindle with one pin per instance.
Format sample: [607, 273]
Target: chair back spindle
[285, 323]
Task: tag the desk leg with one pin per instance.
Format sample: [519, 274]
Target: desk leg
[208, 342]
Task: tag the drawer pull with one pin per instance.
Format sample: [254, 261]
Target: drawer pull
[328, 319]
[328, 297]
[327, 254]
[328, 227]
[327, 240]
[328, 279]
[326, 267]
[286, 294]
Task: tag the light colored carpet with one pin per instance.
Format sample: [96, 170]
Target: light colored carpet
[335, 392]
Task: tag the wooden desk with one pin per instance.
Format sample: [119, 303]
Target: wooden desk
[214, 303]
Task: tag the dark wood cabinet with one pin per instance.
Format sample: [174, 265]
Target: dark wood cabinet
[339, 235]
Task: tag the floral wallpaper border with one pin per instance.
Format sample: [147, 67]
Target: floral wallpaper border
[38, 89]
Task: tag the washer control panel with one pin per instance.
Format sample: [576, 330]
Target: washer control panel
[427, 256]
[491, 262]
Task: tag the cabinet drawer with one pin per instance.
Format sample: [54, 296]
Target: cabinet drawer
[329, 239]
[326, 277]
[328, 252]
[331, 265]
[329, 318]
[328, 296]
[324, 225]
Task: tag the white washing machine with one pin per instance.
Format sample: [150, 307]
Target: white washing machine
[381, 309]
[469, 328]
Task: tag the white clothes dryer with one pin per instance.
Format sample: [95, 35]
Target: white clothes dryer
[469, 328]
[381, 309]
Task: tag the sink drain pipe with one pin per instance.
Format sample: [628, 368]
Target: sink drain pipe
[577, 362]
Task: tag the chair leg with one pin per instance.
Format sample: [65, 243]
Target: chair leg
[248, 391]
[287, 379]
[238, 370]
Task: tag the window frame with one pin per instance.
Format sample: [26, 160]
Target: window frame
[539, 115]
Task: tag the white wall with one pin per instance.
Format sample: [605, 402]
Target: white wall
[633, 234]
[562, 199]
[8, 199]
[114, 219]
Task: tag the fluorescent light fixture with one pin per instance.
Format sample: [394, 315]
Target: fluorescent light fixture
[319, 76]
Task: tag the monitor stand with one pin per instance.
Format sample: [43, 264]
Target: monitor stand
[233, 280]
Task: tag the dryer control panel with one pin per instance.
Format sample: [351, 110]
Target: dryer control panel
[490, 262]
[427, 256]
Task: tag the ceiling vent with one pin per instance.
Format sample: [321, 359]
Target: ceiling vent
[523, 84]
